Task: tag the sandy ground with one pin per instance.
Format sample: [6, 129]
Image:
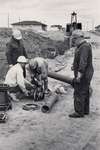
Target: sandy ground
[34, 130]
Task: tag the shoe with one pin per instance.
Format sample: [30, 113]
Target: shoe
[86, 113]
[75, 115]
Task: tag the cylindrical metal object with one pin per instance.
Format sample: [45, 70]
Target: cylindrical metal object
[60, 77]
[4, 100]
[51, 100]
[3, 93]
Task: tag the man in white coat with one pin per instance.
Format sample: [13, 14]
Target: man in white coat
[15, 79]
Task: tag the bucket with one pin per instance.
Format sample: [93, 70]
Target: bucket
[5, 103]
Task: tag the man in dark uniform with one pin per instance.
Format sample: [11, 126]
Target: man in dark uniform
[83, 72]
[15, 48]
[38, 68]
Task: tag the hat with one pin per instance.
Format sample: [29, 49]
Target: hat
[22, 59]
[17, 34]
[77, 33]
[33, 64]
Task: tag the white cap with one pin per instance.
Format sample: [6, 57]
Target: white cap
[17, 34]
[22, 59]
[77, 33]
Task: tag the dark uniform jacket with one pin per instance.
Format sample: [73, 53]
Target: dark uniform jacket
[83, 61]
[14, 50]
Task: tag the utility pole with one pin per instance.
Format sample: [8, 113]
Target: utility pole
[87, 23]
[19, 19]
[92, 24]
[8, 20]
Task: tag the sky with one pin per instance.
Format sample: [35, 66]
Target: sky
[50, 11]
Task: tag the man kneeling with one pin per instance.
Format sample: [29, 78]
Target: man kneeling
[16, 81]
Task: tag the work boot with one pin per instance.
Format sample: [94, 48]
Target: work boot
[86, 113]
[75, 115]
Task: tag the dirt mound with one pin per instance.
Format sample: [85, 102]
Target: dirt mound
[35, 45]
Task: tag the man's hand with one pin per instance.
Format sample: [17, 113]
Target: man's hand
[26, 93]
[39, 83]
[78, 77]
[72, 68]
[32, 85]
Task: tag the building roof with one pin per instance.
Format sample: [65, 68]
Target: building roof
[56, 26]
[53, 26]
[29, 23]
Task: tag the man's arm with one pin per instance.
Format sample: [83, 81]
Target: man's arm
[29, 83]
[9, 54]
[24, 52]
[21, 82]
[84, 51]
[28, 73]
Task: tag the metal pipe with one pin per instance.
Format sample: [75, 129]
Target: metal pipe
[66, 79]
[50, 101]
[60, 77]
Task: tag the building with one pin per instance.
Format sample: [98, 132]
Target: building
[97, 28]
[30, 25]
